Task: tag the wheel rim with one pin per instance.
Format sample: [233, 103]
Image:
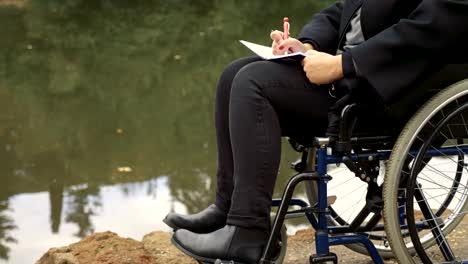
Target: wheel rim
[435, 227]
[396, 164]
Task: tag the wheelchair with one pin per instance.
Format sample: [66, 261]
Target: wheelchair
[400, 193]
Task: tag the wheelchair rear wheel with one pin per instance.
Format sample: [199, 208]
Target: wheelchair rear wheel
[426, 188]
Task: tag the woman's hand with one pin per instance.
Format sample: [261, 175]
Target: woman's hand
[322, 68]
[280, 45]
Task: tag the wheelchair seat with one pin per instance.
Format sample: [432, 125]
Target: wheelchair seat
[419, 147]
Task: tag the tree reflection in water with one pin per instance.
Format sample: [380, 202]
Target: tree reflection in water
[82, 203]
[6, 225]
[199, 195]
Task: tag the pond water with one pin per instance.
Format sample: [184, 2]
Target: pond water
[106, 118]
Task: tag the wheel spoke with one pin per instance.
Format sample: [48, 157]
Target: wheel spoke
[435, 227]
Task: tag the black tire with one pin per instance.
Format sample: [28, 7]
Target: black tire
[411, 188]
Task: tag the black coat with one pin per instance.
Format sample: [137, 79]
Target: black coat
[405, 39]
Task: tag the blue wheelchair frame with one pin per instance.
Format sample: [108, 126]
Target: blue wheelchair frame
[325, 235]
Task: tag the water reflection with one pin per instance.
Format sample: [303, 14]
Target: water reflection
[82, 203]
[56, 189]
[6, 225]
[124, 208]
[106, 112]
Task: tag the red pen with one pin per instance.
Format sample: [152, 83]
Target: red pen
[285, 28]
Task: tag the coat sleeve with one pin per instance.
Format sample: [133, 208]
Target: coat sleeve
[322, 30]
[395, 58]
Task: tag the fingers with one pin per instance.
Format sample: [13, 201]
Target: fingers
[281, 45]
[322, 68]
[305, 63]
[309, 56]
[311, 52]
[276, 36]
[291, 43]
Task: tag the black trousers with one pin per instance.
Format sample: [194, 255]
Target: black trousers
[258, 102]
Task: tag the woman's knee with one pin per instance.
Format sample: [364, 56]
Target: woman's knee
[257, 76]
[234, 67]
[226, 79]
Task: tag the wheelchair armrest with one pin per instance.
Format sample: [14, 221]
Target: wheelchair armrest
[347, 123]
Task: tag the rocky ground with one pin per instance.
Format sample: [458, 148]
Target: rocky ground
[156, 248]
[109, 248]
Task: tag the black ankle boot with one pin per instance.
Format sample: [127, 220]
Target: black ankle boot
[206, 221]
[230, 243]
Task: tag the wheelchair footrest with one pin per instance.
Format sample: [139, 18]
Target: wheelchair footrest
[323, 258]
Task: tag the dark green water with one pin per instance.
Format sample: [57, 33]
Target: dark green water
[106, 118]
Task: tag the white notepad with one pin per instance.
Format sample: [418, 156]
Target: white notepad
[267, 53]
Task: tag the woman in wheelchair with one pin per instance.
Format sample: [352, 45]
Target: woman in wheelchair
[361, 51]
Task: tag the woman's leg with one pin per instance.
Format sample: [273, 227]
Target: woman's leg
[214, 217]
[267, 99]
[224, 176]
